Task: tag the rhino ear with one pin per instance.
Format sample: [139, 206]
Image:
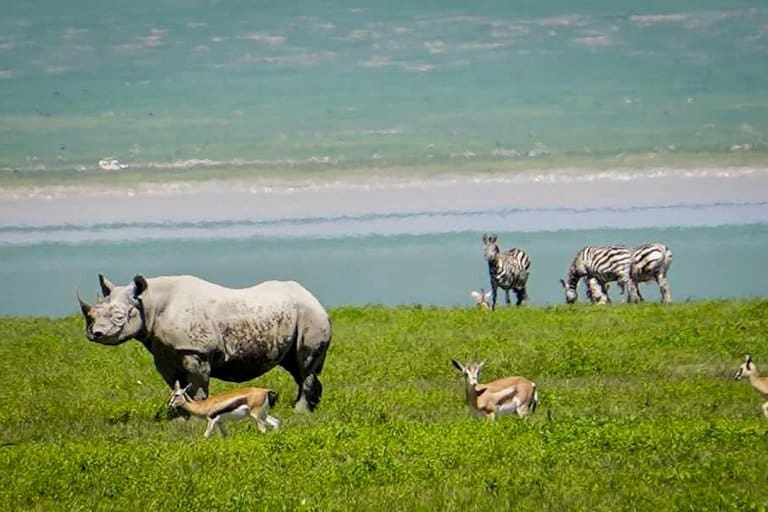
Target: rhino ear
[106, 285]
[139, 285]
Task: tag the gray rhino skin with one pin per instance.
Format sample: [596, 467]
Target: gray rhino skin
[196, 330]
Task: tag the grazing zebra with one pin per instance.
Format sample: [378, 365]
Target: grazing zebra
[651, 262]
[508, 270]
[605, 264]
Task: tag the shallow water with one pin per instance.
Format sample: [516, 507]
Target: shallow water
[179, 84]
[391, 95]
[434, 269]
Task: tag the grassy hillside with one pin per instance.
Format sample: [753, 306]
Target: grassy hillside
[639, 410]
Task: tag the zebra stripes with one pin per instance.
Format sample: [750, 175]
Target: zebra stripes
[508, 270]
[604, 264]
[651, 262]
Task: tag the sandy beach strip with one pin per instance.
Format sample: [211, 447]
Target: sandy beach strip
[180, 201]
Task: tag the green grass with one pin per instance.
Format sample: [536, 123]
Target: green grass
[639, 411]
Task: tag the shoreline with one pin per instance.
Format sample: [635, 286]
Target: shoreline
[266, 199]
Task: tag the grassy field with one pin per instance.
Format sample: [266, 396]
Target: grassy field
[639, 411]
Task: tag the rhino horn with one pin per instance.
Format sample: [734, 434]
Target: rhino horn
[106, 285]
[84, 306]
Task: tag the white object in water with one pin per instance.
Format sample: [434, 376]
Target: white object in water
[111, 164]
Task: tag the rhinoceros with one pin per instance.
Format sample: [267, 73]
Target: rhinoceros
[196, 330]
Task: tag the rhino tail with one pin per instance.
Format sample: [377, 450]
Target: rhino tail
[272, 397]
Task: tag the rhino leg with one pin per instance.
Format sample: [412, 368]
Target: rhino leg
[198, 373]
[171, 373]
[304, 369]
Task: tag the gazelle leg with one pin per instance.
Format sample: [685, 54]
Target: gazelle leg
[273, 422]
[222, 428]
[765, 409]
[211, 424]
[259, 419]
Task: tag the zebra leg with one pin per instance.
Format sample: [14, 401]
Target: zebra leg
[623, 289]
[521, 294]
[604, 289]
[506, 294]
[640, 297]
[494, 291]
[666, 297]
[628, 290]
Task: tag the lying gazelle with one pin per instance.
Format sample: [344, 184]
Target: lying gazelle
[503, 396]
[482, 298]
[749, 369]
[235, 404]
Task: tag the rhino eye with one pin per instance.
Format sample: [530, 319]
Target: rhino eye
[118, 316]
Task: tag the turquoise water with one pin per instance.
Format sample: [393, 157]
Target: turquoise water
[400, 86]
[170, 83]
[430, 269]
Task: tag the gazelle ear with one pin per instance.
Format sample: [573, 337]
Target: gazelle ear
[748, 359]
[480, 365]
[176, 386]
[457, 365]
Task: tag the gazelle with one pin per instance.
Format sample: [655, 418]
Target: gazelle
[482, 298]
[235, 404]
[760, 384]
[503, 396]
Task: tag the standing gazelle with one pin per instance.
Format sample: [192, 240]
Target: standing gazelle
[760, 384]
[503, 396]
[235, 404]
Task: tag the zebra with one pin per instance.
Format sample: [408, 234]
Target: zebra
[604, 264]
[651, 261]
[508, 270]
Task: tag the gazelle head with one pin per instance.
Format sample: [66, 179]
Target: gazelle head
[482, 298]
[490, 247]
[570, 292]
[471, 372]
[746, 369]
[179, 395]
